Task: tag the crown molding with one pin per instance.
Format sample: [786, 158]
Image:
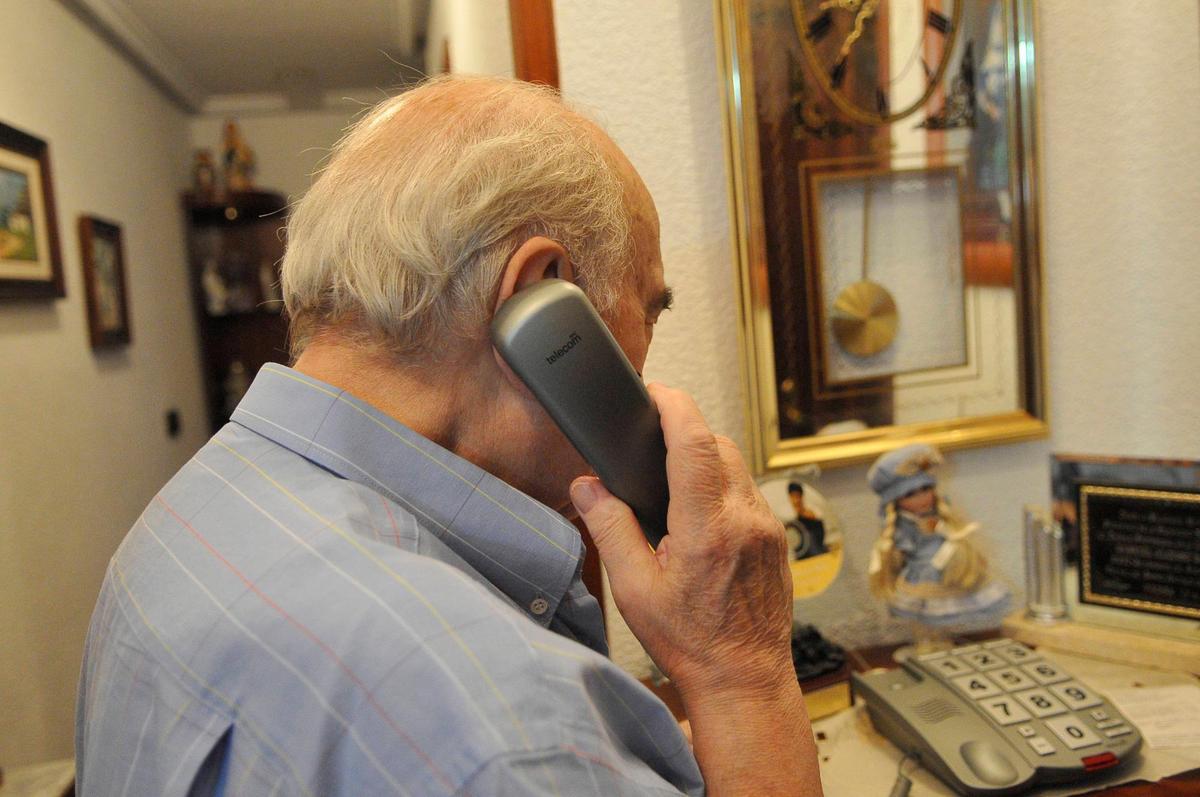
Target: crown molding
[274, 102]
[115, 22]
[247, 103]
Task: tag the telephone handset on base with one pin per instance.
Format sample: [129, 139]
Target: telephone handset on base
[555, 341]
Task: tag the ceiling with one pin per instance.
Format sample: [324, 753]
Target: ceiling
[281, 53]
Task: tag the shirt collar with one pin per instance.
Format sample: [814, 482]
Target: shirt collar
[527, 550]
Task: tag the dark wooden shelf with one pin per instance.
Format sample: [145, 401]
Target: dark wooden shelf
[240, 314]
[239, 207]
[240, 237]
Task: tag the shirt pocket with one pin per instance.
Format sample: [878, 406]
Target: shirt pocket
[193, 759]
[142, 732]
[206, 770]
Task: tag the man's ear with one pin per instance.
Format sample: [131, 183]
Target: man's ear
[537, 259]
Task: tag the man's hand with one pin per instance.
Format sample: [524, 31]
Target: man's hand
[712, 606]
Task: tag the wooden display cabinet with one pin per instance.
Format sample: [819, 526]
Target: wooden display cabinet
[235, 245]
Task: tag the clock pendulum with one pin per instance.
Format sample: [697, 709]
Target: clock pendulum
[864, 315]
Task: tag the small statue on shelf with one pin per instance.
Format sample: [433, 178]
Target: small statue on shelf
[239, 159]
[216, 292]
[925, 564]
[204, 174]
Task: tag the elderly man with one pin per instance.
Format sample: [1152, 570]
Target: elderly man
[363, 584]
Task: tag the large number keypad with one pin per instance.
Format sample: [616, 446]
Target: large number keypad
[1018, 689]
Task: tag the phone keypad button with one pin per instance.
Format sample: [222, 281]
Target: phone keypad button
[948, 667]
[1045, 673]
[1111, 723]
[1041, 703]
[977, 686]
[1026, 731]
[1099, 715]
[1040, 745]
[1012, 679]
[1073, 733]
[1121, 731]
[984, 660]
[1016, 653]
[1076, 695]
[1005, 710]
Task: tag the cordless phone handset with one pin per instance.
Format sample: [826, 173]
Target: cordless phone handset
[555, 341]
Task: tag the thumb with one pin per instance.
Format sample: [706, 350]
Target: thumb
[614, 529]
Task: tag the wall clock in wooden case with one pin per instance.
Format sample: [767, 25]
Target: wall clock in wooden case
[883, 178]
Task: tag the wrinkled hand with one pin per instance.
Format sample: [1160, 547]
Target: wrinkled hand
[712, 605]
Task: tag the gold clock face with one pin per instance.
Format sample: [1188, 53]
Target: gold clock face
[865, 318]
[877, 60]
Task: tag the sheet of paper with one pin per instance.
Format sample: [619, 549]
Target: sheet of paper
[1167, 716]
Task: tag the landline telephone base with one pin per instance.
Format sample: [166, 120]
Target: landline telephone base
[995, 718]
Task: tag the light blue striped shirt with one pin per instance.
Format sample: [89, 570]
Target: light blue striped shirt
[322, 602]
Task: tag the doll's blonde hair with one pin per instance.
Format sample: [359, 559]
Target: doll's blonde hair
[965, 571]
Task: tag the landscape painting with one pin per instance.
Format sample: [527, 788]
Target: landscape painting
[30, 266]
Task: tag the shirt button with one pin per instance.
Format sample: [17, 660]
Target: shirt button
[539, 606]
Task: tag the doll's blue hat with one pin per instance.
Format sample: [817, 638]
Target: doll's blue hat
[905, 470]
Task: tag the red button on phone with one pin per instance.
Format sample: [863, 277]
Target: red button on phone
[1102, 761]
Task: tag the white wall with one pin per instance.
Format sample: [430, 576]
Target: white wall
[1122, 169]
[83, 445]
[478, 34]
[1121, 188]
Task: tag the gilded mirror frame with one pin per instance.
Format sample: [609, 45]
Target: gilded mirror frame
[772, 449]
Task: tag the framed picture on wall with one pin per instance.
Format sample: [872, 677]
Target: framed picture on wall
[30, 265]
[104, 282]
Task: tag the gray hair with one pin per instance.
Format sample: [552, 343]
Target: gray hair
[402, 240]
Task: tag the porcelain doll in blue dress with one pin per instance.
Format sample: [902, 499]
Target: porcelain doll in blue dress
[926, 564]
